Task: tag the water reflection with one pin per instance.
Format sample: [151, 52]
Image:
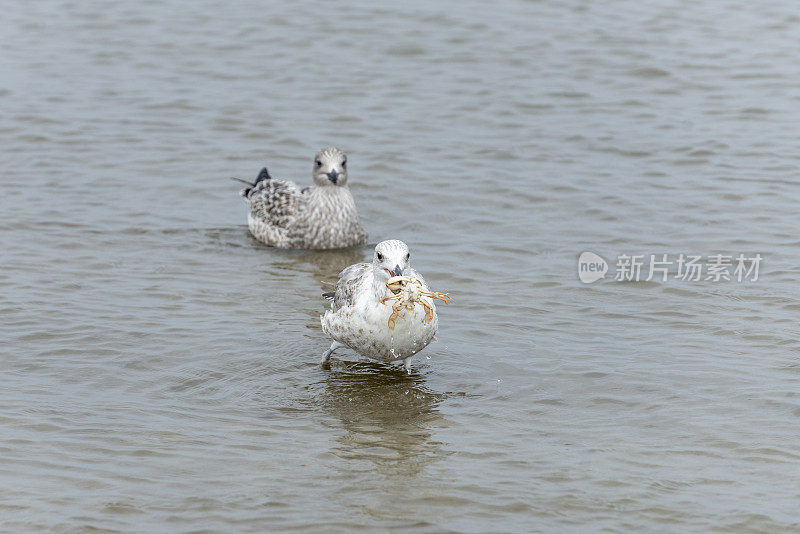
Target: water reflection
[225, 237]
[322, 266]
[387, 415]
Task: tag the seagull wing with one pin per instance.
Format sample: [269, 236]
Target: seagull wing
[350, 284]
[275, 202]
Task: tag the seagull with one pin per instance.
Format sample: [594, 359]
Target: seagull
[357, 318]
[322, 216]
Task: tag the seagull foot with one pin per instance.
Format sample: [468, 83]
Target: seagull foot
[326, 356]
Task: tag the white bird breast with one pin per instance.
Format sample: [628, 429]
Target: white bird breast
[364, 328]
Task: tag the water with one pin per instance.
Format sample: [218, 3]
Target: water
[159, 366]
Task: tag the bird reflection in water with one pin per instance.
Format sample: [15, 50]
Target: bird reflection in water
[387, 415]
[323, 266]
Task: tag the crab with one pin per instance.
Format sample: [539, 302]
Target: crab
[407, 292]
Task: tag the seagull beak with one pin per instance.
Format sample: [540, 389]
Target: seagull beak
[333, 176]
[397, 270]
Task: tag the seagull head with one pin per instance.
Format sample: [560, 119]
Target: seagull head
[330, 167]
[391, 259]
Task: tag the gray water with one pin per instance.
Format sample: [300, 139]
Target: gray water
[159, 366]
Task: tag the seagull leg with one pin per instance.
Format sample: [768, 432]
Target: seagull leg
[326, 357]
[407, 363]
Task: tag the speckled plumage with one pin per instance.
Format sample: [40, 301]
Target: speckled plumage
[358, 320]
[322, 216]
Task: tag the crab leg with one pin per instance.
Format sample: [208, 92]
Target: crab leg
[436, 295]
[428, 311]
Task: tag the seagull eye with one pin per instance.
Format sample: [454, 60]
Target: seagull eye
[319, 163]
[344, 163]
[380, 256]
[408, 256]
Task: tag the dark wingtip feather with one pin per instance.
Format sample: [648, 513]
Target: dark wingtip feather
[262, 176]
[328, 296]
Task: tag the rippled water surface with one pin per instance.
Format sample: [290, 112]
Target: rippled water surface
[159, 365]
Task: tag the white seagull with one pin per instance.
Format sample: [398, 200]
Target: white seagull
[359, 320]
[322, 216]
